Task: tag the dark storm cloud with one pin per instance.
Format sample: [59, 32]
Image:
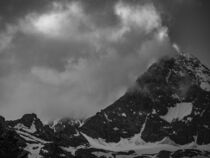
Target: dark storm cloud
[74, 57]
[94, 25]
[32, 51]
[102, 12]
[11, 10]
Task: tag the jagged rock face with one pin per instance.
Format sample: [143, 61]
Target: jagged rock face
[29, 136]
[11, 144]
[28, 121]
[171, 99]
[2, 124]
[169, 105]
[68, 126]
[66, 132]
[53, 150]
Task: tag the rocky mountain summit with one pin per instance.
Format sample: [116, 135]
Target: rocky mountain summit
[165, 114]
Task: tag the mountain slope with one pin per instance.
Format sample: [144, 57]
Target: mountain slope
[170, 100]
[165, 114]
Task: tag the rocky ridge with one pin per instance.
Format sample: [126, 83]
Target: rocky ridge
[165, 114]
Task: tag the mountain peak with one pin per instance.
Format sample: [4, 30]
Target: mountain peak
[29, 119]
[168, 107]
[187, 57]
[178, 86]
[29, 116]
[182, 69]
[28, 122]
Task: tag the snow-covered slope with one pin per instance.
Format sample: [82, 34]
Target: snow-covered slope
[180, 111]
[170, 95]
[166, 115]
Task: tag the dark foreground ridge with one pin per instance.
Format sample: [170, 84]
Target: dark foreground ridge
[166, 114]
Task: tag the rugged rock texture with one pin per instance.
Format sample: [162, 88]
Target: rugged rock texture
[168, 108]
[169, 84]
[11, 144]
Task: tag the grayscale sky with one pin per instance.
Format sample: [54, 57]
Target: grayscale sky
[70, 58]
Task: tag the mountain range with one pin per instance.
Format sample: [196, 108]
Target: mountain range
[165, 114]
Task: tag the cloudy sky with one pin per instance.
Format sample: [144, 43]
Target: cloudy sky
[73, 57]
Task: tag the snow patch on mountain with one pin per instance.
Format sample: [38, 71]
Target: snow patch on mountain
[107, 118]
[33, 144]
[129, 144]
[29, 137]
[123, 144]
[34, 150]
[53, 124]
[31, 129]
[205, 86]
[178, 112]
[70, 149]
[105, 155]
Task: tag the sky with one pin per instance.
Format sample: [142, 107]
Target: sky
[71, 58]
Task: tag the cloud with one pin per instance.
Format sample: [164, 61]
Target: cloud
[11, 11]
[73, 23]
[84, 87]
[145, 17]
[6, 37]
[59, 21]
[65, 62]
